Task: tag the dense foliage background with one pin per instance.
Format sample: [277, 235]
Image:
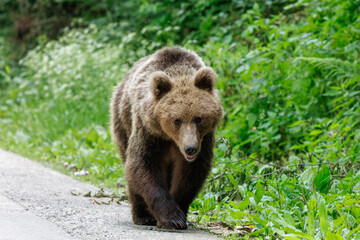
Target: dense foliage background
[287, 155]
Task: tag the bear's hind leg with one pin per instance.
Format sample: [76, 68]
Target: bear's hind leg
[140, 213]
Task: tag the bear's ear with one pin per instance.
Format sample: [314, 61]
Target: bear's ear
[205, 78]
[160, 84]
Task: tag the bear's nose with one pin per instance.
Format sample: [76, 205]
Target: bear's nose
[190, 150]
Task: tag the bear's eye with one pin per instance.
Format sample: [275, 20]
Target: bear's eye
[198, 120]
[177, 122]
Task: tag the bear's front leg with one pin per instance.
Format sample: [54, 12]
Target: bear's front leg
[187, 181]
[145, 179]
[188, 177]
[158, 201]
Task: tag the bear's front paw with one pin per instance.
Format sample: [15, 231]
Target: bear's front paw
[149, 221]
[174, 219]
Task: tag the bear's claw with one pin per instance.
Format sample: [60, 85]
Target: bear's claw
[173, 224]
[177, 220]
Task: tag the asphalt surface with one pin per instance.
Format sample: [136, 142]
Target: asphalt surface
[39, 203]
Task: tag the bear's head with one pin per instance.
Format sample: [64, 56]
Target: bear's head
[187, 108]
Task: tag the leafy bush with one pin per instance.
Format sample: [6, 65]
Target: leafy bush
[59, 105]
[292, 102]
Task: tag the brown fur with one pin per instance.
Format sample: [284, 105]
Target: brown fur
[163, 117]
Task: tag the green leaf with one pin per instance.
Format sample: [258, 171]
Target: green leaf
[291, 237]
[333, 236]
[244, 204]
[339, 222]
[311, 224]
[232, 179]
[322, 209]
[260, 191]
[307, 177]
[294, 159]
[322, 180]
[288, 219]
[281, 222]
[252, 119]
[324, 226]
[323, 216]
[234, 205]
[299, 122]
[237, 214]
[355, 230]
[259, 220]
[7, 69]
[315, 132]
[297, 236]
[312, 205]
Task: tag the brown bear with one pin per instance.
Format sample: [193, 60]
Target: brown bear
[163, 117]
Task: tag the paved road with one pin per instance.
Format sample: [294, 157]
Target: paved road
[37, 203]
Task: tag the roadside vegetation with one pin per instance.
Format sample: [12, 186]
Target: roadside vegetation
[287, 160]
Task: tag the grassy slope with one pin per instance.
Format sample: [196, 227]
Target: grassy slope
[290, 88]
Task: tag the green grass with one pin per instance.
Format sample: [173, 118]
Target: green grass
[287, 154]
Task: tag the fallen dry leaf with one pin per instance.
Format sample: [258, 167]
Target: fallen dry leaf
[225, 229]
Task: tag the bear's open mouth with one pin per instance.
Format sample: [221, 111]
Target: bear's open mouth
[190, 157]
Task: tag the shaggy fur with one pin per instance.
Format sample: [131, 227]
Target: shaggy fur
[163, 117]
